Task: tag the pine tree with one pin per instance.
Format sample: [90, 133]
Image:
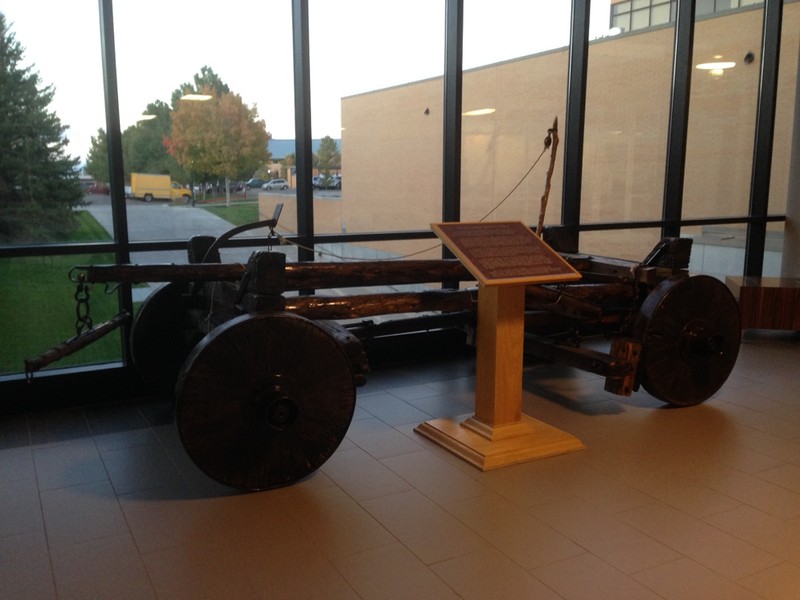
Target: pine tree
[328, 155]
[39, 184]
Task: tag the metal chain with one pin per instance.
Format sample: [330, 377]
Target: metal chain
[83, 318]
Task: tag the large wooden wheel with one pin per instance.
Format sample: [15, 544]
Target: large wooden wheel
[158, 336]
[264, 400]
[690, 333]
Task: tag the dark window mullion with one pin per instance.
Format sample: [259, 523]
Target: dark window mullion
[302, 120]
[575, 121]
[765, 131]
[116, 175]
[678, 119]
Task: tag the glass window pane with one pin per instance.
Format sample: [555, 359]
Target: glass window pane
[782, 178]
[623, 22]
[717, 250]
[376, 90]
[38, 310]
[512, 95]
[377, 250]
[660, 15]
[620, 7]
[640, 19]
[46, 197]
[626, 244]
[704, 7]
[627, 113]
[722, 114]
[41, 193]
[786, 119]
[175, 143]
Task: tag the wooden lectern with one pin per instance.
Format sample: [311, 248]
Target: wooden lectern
[504, 257]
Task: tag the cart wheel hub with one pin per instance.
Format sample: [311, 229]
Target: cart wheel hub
[281, 412]
[699, 340]
[272, 405]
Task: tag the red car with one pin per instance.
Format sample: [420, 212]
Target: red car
[98, 188]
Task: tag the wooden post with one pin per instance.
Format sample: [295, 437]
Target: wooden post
[499, 434]
[501, 331]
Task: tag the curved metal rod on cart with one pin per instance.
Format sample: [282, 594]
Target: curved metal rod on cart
[272, 222]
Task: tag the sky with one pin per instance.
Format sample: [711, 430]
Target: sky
[356, 46]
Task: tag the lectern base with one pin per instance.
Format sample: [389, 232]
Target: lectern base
[487, 447]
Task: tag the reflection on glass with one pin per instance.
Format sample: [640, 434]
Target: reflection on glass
[514, 90]
[426, 249]
[722, 115]
[628, 244]
[786, 119]
[717, 251]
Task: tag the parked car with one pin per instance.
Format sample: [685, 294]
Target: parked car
[276, 184]
[255, 183]
[330, 182]
[98, 188]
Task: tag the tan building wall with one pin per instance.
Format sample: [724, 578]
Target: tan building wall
[392, 138]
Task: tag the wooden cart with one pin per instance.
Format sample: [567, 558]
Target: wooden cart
[264, 359]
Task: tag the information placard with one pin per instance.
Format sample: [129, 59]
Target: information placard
[504, 252]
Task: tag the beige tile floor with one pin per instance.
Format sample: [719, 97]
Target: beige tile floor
[693, 503]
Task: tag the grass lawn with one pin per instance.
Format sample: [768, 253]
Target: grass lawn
[89, 230]
[240, 213]
[37, 305]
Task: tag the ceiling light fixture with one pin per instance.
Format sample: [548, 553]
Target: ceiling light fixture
[478, 112]
[196, 97]
[716, 68]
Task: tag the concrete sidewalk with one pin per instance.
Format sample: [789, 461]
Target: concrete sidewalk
[165, 222]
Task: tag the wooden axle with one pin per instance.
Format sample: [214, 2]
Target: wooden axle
[296, 276]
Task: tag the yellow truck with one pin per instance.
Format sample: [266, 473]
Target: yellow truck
[147, 187]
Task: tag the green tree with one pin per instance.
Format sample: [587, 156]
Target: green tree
[143, 145]
[97, 158]
[206, 80]
[143, 148]
[328, 156]
[222, 137]
[39, 184]
[287, 163]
